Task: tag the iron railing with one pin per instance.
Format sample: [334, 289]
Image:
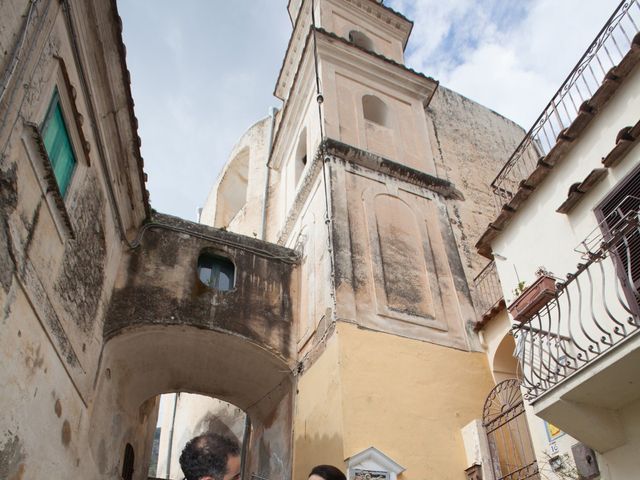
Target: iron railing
[488, 289]
[593, 311]
[606, 51]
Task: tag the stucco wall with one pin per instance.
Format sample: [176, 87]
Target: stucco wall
[470, 145]
[415, 418]
[59, 255]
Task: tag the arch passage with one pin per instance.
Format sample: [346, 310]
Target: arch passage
[507, 430]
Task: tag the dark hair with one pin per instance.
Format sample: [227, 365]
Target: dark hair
[328, 472]
[207, 455]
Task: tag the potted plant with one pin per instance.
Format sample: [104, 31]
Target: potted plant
[532, 298]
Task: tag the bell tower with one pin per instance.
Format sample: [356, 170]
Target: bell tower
[387, 355]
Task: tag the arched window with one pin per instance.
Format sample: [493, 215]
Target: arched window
[216, 272]
[301, 155]
[232, 190]
[359, 39]
[127, 463]
[375, 110]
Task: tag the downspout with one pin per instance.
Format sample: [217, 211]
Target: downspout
[173, 422]
[246, 438]
[265, 193]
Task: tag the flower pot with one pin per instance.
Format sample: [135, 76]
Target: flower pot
[533, 299]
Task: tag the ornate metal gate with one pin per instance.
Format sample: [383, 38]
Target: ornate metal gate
[507, 429]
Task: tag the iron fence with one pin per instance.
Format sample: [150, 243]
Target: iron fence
[488, 289]
[594, 310]
[606, 52]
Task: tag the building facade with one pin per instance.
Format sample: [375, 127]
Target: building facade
[325, 302]
[562, 288]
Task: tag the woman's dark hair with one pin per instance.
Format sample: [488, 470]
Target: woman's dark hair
[328, 472]
[207, 455]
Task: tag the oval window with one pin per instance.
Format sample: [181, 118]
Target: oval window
[216, 272]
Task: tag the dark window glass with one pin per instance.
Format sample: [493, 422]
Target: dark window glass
[216, 272]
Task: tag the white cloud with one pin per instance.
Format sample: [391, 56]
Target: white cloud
[202, 71]
[511, 56]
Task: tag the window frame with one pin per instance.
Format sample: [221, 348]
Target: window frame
[57, 81]
[56, 104]
[216, 270]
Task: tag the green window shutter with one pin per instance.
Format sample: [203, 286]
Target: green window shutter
[58, 145]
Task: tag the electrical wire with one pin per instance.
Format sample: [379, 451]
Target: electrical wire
[290, 259]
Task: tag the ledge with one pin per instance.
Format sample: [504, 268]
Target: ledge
[577, 190]
[392, 169]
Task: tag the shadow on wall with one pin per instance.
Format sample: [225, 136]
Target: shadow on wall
[312, 450]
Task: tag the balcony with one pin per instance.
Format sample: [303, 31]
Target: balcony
[580, 351]
[488, 294]
[589, 85]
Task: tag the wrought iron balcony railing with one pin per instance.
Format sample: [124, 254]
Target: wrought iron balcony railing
[593, 311]
[606, 52]
[488, 291]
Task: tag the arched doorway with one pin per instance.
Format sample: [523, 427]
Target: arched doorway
[505, 423]
[141, 363]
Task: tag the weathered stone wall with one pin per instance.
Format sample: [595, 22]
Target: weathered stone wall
[166, 331]
[160, 285]
[397, 268]
[471, 143]
[59, 255]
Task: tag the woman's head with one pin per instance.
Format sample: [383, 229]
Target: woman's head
[326, 472]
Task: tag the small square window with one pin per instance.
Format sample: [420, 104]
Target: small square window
[216, 272]
[58, 144]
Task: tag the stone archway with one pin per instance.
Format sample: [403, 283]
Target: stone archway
[139, 364]
[166, 331]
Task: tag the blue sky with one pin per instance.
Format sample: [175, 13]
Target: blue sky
[203, 71]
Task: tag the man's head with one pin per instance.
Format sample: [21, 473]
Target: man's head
[211, 457]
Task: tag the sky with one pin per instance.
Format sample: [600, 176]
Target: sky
[203, 71]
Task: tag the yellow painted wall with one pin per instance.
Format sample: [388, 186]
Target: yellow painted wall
[317, 430]
[410, 399]
[405, 397]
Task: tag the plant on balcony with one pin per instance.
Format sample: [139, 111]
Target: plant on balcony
[533, 297]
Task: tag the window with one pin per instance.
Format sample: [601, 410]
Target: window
[58, 144]
[301, 155]
[216, 272]
[375, 110]
[359, 39]
[614, 212]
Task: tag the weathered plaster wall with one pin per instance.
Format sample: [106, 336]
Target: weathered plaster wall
[343, 408]
[318, 421]
[415, 417]
[470, 145]
[59, 256]
[168, 332]
[397, 266]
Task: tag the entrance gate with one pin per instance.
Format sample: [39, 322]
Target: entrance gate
[507, 430]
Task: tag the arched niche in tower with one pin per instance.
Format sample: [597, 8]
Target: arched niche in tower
[300, 161]
[378, 132]
[376, 111]
[359, 39]
[402, 258]
[232, 190]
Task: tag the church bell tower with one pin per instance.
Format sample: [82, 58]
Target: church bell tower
[387, 357]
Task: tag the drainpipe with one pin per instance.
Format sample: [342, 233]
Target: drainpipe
[263, 228]
[173, 422]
